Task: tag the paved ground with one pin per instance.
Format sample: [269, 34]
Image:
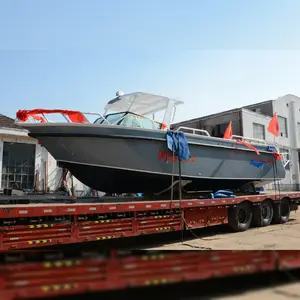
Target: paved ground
[276, 237]
[284, 292]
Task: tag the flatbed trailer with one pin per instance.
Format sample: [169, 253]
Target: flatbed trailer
[51, 220]
[50, 277]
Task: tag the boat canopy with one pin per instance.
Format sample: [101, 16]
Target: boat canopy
[73, 116]
[140, 103]
[137, 103]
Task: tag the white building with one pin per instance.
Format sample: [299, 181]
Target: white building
[252, 121]
[26, 164]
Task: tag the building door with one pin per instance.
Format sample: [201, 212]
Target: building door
[18, 165]
[219, 130]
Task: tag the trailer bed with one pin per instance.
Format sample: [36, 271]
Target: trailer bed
[94, 219]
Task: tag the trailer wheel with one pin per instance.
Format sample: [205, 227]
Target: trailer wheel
[263, 213]
[240, 217]
[282, 211]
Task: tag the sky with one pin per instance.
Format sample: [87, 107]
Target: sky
[212, 54]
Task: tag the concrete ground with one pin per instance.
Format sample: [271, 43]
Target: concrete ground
[284, 292]
[273, 237]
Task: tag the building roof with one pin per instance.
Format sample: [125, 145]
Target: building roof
[7, 122]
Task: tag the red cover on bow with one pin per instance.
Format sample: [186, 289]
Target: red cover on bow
[74, 116]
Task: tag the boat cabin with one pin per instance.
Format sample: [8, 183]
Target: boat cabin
[132, 109]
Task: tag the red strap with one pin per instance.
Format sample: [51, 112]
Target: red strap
[248, 145]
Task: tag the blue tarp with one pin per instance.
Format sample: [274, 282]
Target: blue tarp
[260, 189]
[178, 144]
[220, 194]
[223, 194]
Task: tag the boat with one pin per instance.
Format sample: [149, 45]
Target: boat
[124, 150]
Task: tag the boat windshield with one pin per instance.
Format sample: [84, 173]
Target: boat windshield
[129, 120]
[110, 119]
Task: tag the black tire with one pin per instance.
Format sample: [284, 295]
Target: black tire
[263, 213]
[282, 211]
[240, 217]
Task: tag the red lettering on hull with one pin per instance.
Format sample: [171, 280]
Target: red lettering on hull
[168, 156]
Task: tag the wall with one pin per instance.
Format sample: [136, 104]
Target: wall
[14, 136]
[288, 106]
[264, 108]
[208, 123]
[42, 156]
[224, 118]
[1, 155]
[248, 118]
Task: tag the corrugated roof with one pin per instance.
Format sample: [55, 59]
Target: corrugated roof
[7, 122]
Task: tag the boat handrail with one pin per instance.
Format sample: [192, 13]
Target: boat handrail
[251, 140]
[234, 137]
[194, 130]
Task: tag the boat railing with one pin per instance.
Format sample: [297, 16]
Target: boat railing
[39, 116]
[234, 137]
[98, 115]
[193, 130]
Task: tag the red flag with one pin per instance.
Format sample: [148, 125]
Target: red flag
[228, 132]
[274, 126]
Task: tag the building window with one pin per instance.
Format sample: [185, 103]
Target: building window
[286, 157]
[259, 131]
[282, 127]
[298, 132]
[18, 165]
